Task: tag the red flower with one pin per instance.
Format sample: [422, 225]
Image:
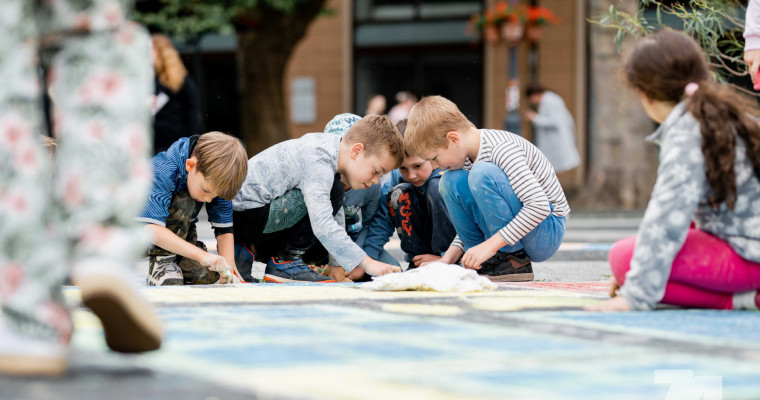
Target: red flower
[11, 276]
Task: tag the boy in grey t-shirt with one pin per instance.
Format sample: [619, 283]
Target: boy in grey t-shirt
[293, 194]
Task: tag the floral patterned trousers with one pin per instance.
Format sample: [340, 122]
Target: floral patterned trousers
[64, 211]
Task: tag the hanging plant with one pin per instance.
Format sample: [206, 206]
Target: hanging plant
[509, 23]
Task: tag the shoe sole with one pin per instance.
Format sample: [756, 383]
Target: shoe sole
[129, 323]
[32, 366]
[527, 277]
[277, 279]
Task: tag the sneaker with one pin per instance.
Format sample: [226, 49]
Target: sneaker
[508, 267]
[25, 356]
[164, 271]
[281, 271]
[129, 322]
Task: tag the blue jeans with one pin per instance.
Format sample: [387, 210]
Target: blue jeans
[481, 202]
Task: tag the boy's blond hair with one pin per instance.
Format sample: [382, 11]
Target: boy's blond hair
[429, 122]
[223, 161]
[378, 135]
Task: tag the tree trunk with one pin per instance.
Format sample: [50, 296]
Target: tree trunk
[623, 166]
[264, 48]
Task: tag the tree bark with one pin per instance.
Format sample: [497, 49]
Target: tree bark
[265, 44]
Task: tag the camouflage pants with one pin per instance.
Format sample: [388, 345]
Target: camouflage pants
[181, 221]
[80, 208]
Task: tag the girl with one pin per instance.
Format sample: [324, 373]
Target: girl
[699, 242]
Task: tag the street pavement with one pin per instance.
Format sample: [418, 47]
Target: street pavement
[338, 341]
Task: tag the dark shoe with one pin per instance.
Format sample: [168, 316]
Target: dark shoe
[282, 271]
[193, 273]
[130, 323]
[164, 271]
[508, 267]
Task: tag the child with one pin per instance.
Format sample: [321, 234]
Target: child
[203, 169]
[413, 207]
[698, 244]
[502, 194]
[317, 168]
[360, 206]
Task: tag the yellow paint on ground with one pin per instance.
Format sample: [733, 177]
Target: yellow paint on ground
[428, 309]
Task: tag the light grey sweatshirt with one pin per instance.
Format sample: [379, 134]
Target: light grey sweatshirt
[308, 163]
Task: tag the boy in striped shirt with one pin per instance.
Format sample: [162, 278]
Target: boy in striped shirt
[502, 194]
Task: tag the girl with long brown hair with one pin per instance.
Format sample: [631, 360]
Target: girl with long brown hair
[699, 242]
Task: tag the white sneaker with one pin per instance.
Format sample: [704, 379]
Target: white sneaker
[20, 355]
[164, 271]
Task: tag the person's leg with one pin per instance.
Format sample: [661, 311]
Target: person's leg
[193, 273]
[706, 272]
[35, 328]
[463, 210]
[99, 82]
[407, 212]
[442, 231]
[499, 204]
[163, 265]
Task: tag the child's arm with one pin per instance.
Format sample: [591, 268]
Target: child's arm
[168, 241]
[315, 186]
[225, 246]
[380, 228]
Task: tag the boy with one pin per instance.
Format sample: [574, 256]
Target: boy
[502, 194]
[412, 205]
[311, 173]
[203, 169]
[360, 206]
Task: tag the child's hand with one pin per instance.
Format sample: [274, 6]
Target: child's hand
[356, 274]
[424, 258]
[614, 287]
[616, 304]
[215, 263]
[229, 277]
[377, 268]
[338, 273]
[475, 256]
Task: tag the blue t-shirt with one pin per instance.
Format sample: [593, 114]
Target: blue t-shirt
[169, 178]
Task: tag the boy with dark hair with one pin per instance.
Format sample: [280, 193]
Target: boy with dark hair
[203, 169]
[502, 194]
[293, 197]
[412, 206]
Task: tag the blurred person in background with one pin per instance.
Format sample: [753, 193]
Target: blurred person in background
[404, 102]
[553, 127]
[176, 113]
[376, 105]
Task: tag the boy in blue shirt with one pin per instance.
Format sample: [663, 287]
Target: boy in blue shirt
[203, 169]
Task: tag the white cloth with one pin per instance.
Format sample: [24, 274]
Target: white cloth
[436, 276]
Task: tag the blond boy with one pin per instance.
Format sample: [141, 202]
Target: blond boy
[502, 194]
[199, 170]
[293, 197]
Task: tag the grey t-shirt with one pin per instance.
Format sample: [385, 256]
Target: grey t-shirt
[308, 163]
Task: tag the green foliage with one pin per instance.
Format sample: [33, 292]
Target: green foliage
[717, 25]
[188, 20]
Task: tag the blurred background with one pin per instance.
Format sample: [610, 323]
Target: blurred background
[268, 70]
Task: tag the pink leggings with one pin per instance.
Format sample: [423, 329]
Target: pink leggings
[705, 274]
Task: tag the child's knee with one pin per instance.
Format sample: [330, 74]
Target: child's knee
[485, 173]
[620, 257]
[451, 182]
